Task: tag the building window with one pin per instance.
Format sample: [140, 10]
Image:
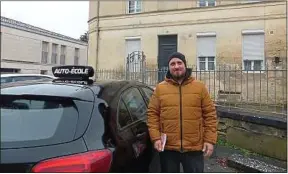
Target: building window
[206, 51]
[63, 55]
[250, 65]
[206, 3]
[134, 6]
[206, 63]
[134, 54]
[1, 41]
[45, 50]
[253, 50]
[76, 56]
[54, 54]
[44, 72]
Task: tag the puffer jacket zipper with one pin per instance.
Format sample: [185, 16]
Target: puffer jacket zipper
[180, 91]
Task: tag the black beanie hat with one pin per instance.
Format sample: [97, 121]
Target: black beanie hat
[177, 55]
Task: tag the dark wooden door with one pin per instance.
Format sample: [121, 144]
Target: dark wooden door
[167, 44]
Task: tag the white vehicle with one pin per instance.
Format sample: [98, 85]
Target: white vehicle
[7, 78]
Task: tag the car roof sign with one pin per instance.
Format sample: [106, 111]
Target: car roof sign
[73, 74]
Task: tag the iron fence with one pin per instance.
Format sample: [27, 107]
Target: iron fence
[264, 90]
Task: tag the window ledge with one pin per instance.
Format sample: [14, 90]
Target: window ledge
[205, 71]
[255, 72]
[133, 13]
[228, 71]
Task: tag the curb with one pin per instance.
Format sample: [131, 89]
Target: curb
[250, 165]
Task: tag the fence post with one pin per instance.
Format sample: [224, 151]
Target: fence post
[143, 68]
[127, 68]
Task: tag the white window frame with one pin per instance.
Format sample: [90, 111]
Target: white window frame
[127, 39]
[213, 34]
[252, 66]
[76, 56]
[45, 52]
[54, 54]
[63, 54]
[135, 6]
[252, 61]
[206, 63]
[206, 4]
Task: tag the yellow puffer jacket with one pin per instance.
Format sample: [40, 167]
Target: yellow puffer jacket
[184, 112]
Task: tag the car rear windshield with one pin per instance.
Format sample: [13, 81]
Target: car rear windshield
[35, 121]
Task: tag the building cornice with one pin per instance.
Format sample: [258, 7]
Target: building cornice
[193, 22]
[194, 9]
[26, 62]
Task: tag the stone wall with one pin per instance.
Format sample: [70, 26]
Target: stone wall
[261, 134]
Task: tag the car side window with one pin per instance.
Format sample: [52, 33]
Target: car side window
[124, 117]
[6, 79]
[135, 103]
[45, 78]
[148, 93]
[23, 78]
[42, 78]
[37, 78]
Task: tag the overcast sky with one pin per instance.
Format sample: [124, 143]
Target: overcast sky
[65, 17]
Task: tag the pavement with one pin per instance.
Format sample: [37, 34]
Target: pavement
[253, 165]
[229, 160]
[217, 163]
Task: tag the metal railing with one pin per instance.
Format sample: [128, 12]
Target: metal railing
[229, 86]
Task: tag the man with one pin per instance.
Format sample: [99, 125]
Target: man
[181, 108]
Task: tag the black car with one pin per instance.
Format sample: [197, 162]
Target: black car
[73, 124]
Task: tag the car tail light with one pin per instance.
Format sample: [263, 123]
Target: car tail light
[94, 161]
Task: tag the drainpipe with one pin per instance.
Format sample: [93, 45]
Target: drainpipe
[286, 61]
[97, 38]
[87, 49]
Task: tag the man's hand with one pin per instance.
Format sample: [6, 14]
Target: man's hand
[158, 145]
[208, 150]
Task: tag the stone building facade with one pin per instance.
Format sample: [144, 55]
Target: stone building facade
[246, 33]
[232, 44]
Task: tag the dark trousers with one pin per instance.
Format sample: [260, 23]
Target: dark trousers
[192, 162]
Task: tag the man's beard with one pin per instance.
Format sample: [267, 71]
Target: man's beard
[178, 77]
